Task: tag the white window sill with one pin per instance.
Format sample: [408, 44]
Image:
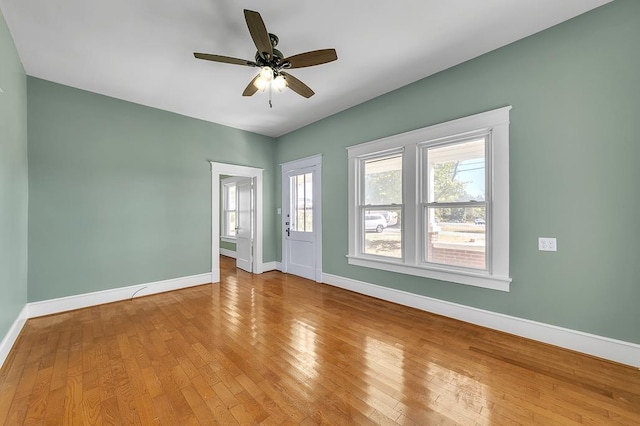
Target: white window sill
[461, 277]
[228, 239]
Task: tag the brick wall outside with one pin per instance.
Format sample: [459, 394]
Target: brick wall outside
[454, 254]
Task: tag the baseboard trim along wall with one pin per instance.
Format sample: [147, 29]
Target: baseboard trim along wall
[270, 266]
[62, 304]
[12, 335]
[602, 347]
[228, 253]
[263, 267]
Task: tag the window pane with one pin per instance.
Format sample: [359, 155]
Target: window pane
[231, 197]
[231, 223]
[383, 181]
[457, 172]
[301, 202]
[457, 236]
[383, 232]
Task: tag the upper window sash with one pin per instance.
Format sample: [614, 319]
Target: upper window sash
[427, 196]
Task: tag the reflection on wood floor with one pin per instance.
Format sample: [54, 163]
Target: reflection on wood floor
[278, 349]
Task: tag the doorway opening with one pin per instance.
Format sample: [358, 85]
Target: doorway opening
[254, 214]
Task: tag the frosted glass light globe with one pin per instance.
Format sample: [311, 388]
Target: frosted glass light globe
[279, 83]
[266, 73]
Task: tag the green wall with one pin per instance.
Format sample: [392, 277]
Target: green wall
[120, 194]
[227, 245]
[13, 182]
[575, 148]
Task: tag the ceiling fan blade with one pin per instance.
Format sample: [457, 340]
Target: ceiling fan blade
[251, 88]
[224, 59]
[259, 33]
[297, 86]
[309, 59]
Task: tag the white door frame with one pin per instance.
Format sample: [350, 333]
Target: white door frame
[218, 169]
[316, 162]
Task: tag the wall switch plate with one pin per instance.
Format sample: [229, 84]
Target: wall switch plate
[547, 244]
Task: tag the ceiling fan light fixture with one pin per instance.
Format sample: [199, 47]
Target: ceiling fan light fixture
[280, 83]
[261, 83]
[266, 73]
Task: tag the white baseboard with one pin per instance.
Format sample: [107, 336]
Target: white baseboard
[602, 347]
[12, 335]
[228, 253]
[269, 266]
[62, 304]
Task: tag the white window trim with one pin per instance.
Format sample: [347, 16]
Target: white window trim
[497, 276]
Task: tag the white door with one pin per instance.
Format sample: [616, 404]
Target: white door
[301, 219]
[244, 225]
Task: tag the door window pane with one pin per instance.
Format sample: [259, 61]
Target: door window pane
[301, 202]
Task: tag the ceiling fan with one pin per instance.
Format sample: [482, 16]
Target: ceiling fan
[272, 62]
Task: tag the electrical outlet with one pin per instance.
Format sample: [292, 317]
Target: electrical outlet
[547, 244]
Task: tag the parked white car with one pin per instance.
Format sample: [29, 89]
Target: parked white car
[374, 222]
[390, 216]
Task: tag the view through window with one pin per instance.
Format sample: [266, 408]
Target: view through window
[229, 208]
[382, 206]
[456, 210]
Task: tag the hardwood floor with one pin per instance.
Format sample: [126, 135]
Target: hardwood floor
[278, 349]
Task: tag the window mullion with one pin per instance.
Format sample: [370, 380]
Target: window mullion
[410, 220]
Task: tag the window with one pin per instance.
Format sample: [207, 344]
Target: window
[435, 202]
[454, 204]
[229, 213]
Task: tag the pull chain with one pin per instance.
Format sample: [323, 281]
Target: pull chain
[270, 104]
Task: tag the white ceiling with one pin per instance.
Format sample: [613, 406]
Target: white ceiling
[142, 50]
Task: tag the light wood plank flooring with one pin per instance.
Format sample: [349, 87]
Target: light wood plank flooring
[277, 349]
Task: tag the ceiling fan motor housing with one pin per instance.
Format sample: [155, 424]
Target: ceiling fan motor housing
[275, 62]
